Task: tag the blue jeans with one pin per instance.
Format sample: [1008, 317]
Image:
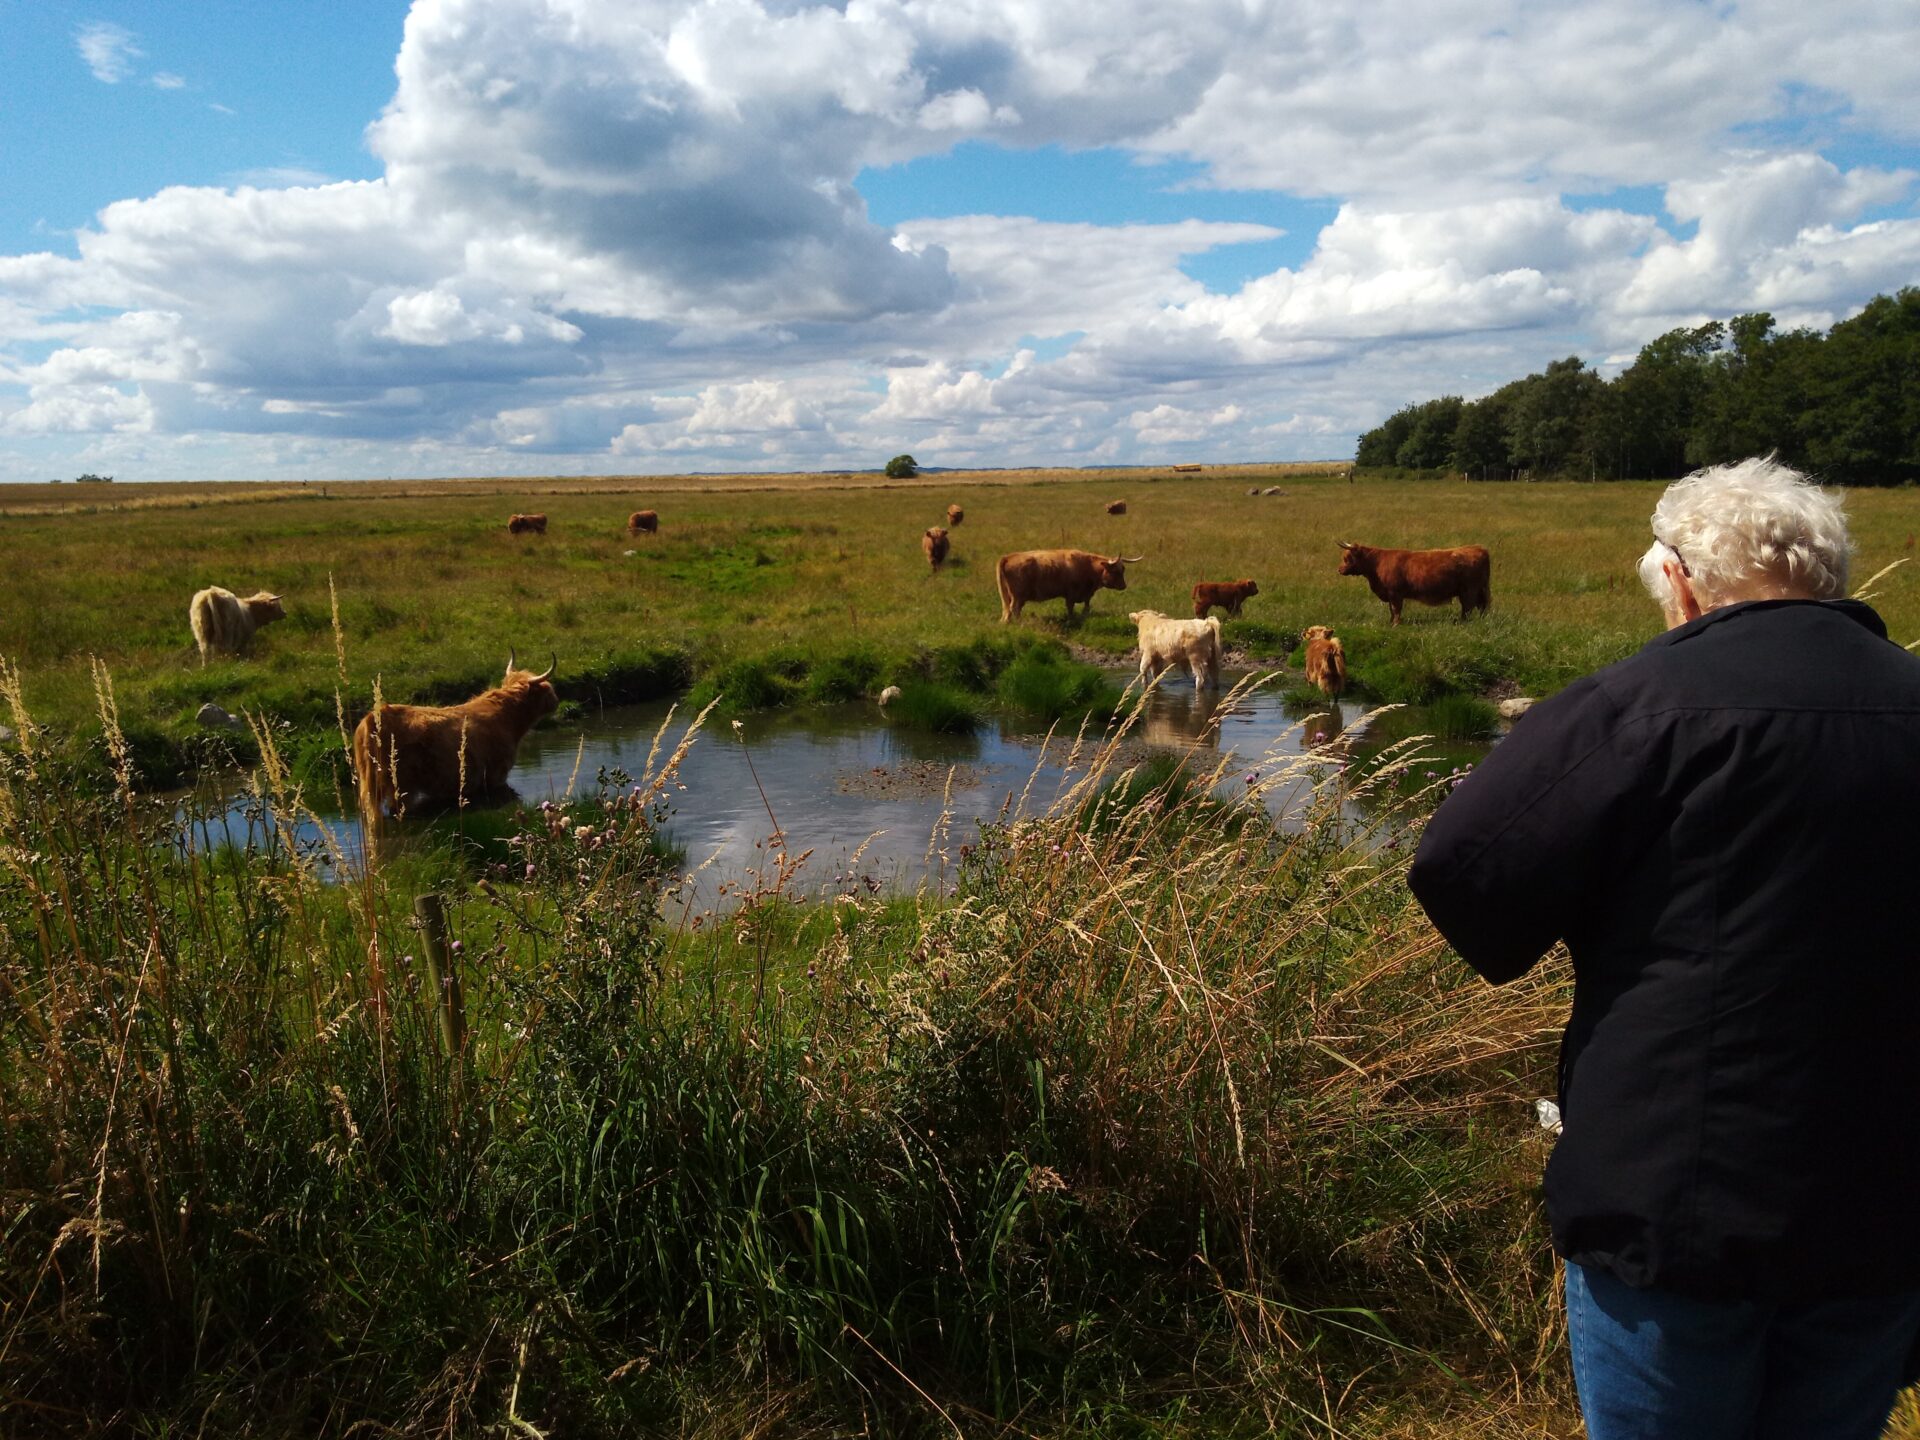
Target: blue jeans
[1652, 1365]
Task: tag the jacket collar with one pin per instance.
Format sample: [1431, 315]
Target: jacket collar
[1861, 614]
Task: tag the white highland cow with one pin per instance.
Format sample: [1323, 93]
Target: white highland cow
[1193, 643]
[223, 623]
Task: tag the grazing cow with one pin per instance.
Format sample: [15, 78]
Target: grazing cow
[414, 756]
[1229, 594]
[222, 622]
[1326, 661]
[1069, 575]
[643, 521]
[526, 524]
[955, 515]
[934, 542]
[1194, 643]
[1116, 507]
[1433, 577]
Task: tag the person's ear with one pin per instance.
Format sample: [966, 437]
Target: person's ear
[1686, 605]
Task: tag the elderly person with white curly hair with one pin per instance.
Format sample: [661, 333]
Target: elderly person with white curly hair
[1722, 829]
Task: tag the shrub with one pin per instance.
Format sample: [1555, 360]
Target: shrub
[1047, 685]
[852, 675]
[1257, 637]
[757, 684]
[929, 705]
[1167, 1117]
[974, 665]
[1459, 718]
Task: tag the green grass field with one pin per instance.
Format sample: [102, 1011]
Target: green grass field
[822, 578]
[1161, 1121]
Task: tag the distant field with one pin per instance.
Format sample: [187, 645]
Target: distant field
[86, 499]
[432, 592]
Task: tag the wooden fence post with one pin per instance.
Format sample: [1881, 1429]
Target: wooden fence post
[442, 973]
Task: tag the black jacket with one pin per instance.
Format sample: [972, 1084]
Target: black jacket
[1725, 829]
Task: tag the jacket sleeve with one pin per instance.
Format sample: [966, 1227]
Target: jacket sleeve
[1521, 850]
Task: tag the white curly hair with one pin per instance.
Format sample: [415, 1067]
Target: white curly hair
[1752, 530]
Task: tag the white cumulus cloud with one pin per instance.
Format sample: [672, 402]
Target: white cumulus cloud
[604, 231]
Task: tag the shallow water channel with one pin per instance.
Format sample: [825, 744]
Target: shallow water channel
[841, 781]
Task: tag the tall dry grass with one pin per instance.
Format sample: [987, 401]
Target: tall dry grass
[1163, 1118]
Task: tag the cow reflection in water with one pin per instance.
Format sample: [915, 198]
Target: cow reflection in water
[1183, 719]
[1325, 730]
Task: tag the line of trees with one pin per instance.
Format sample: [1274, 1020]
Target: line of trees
[1844, 405]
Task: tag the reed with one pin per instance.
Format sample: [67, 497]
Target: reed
[1158, 1118]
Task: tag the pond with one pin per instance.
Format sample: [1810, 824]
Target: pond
[841, 782]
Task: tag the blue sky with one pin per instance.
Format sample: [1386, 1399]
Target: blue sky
[516, 236]
[276, 87]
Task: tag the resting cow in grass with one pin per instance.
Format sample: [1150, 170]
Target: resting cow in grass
[643, 522]
[1433, 577]
[1193, 643]
[224, 624]
[526, 524]
[410, 757]
[1069, 575]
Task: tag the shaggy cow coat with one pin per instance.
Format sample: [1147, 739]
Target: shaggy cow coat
[935, 544]
[1193, 643]
[1433, 577]
[409, 757]
[1070, 575]
[1229, 594]
[223, 623]
[1326, 661]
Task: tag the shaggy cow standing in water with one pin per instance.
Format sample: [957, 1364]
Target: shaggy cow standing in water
[1193, 643]
[409, 757]
[1326, 661]
[223, 623]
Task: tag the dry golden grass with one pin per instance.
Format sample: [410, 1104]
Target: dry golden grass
[69, 499]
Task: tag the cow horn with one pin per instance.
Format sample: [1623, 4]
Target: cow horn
[555, 665]
[1129, 559]
[509, 662]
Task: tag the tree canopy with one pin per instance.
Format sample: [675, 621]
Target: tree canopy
[1844, 405]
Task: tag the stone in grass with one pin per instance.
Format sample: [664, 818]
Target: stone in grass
[1513, 709]
[212, 717]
